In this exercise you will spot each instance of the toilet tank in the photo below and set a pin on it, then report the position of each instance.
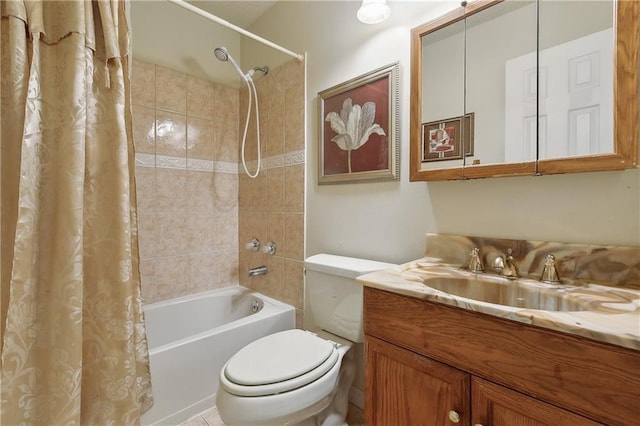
(334, 299)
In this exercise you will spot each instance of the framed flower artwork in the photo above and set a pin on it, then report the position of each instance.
(359, 134)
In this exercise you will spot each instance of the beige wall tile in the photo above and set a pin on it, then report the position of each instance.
(199, 233)
(258, 188)
(171, 134)
(200, 98)
(226, 270)
(293, 245)
(171, 234)
(143, 84)
(225, 192)
(275, 230)
(300, 318)
(244, 193)
(294, 76)
(226, 104)
(147, 280)
(243, 267)
(171, 275)
(251, 141)
(294, 188)
(200, 136)
(274, 280)
(146, 189)
(225, 232)
(293, 289)
(171, 190)
(274, 201)
(200, 190)
(144, 129)
(251, 225)
(164, 278)
(171, 90)
(276, 144)
(202, 267)
(226, 146)
(194, 225)
(294, 128)
(147, 235)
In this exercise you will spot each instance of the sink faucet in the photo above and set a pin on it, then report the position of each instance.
(506, 265)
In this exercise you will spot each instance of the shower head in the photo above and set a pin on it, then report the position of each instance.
(223, 54)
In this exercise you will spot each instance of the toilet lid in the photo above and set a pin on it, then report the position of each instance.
(278, 363)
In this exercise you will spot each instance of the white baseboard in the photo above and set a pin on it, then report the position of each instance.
(356, 397)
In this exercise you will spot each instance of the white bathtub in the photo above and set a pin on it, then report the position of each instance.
(190, 339)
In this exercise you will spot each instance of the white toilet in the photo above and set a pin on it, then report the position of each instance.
(297, 376)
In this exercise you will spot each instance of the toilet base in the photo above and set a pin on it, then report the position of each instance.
(329, 410)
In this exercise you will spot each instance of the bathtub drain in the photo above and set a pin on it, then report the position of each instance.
(255, 306)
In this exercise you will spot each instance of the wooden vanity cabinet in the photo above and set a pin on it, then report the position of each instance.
(431, 364)
(404, 388)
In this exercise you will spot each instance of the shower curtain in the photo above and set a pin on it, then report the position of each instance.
(73, 348)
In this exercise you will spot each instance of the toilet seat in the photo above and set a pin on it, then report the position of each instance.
(278, 363)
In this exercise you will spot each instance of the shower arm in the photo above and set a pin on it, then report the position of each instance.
(183, 4)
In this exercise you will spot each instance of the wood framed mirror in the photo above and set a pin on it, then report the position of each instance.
(503, 88)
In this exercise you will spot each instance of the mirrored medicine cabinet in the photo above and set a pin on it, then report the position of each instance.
(525, 87)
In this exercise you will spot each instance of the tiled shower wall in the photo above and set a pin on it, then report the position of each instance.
(185, 133)
(196, 207)
(271, 207)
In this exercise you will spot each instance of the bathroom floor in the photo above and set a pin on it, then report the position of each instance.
(355, 417)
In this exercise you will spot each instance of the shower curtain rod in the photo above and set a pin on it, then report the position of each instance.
(228, 24)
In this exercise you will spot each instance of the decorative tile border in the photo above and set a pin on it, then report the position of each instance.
(145, 160)
(182, 163)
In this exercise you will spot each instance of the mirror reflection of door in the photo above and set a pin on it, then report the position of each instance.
(574, 86)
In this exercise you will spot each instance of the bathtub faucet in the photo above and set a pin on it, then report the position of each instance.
(258, 270)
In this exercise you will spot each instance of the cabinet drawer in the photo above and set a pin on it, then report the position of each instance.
(596, 380)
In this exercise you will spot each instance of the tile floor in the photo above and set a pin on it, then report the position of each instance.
(355, 417)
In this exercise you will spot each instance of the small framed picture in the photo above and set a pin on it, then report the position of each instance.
(442, 140)
(359, 132)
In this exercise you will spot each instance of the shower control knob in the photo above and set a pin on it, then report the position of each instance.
(253, 245)
(269, 248)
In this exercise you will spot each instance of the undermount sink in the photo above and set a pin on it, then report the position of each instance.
(509, 293)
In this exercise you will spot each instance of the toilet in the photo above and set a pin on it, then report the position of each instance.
(300, 377)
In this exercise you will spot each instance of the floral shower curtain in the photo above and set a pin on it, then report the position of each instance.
(73, 347)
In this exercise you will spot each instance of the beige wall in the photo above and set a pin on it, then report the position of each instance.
(271, 207)
(185, 134)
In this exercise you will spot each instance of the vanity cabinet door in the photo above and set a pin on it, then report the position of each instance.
(499, 406)
(404, 388)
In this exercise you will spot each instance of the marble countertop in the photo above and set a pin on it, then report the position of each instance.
(613, 314)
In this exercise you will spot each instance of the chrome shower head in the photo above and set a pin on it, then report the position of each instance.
(223, 54)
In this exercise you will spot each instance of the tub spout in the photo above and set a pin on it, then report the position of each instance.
(258, 270)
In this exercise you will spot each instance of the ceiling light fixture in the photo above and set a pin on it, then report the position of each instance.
(373, 11)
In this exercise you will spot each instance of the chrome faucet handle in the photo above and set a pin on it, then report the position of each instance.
(253, 245)
(550, 272)
(269, 248)
(510, 269)
(475, 264)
